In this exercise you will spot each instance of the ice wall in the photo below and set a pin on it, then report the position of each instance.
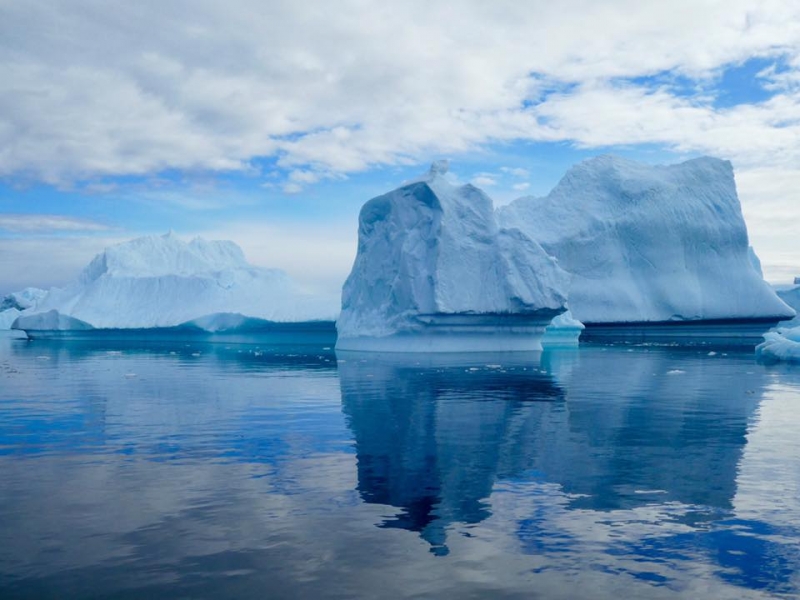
(650, 243)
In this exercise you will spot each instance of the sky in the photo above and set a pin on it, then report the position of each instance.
(271, 123)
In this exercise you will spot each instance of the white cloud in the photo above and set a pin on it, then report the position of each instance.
(90, 90)
(770, 200)
(516, 172)
(300, 176)
(318, 255)
(484, 180)
(292, 188)
(29, 223)
(520, 187)
(748, 134)
(46, 261)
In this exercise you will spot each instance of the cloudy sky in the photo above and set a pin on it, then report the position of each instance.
(270, 123)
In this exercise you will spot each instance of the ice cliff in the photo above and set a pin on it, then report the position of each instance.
(792, 297)
(161, 281)
(650, 243)
(434, 271)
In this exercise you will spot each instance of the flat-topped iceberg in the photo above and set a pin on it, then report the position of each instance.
(435, 272)
(161, 281)
(650, 244)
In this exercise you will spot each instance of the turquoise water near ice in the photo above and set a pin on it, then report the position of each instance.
(158, 469)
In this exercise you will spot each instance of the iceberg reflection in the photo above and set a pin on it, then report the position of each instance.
(433, 438)
(433, 433)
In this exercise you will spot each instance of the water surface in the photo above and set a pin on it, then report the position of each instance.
(190, 470)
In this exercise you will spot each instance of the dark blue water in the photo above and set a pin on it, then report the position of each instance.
(182, 470)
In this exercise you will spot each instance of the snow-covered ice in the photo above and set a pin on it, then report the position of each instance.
(161, 281)
(435, 272)
(650, 243)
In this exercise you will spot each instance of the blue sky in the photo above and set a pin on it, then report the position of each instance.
(272, 124)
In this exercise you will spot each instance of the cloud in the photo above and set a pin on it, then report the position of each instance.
(292, 188)
(770, 197)
(484, 180)
(46, 260)
(300, 176)
(516, 172)
(91, 93)
(87, 90)
(632, 114)
(520, 187)
(28, 223)
(321, 262)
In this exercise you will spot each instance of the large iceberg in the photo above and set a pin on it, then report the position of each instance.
(651, 244)
(435, 272)
(161, 281)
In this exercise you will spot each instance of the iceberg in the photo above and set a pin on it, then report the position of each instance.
(651, 245)
(161, 281)
(51, 320)
(563, 331)
(780, 345)
(23, 300)
(8, 316)
(435, 272)
(14, 304)
(791, 296)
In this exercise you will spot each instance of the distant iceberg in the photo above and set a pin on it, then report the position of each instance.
(435, 272)
(651, 244)
(161, 281)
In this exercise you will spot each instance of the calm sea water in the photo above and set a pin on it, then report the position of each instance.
(182, 470)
